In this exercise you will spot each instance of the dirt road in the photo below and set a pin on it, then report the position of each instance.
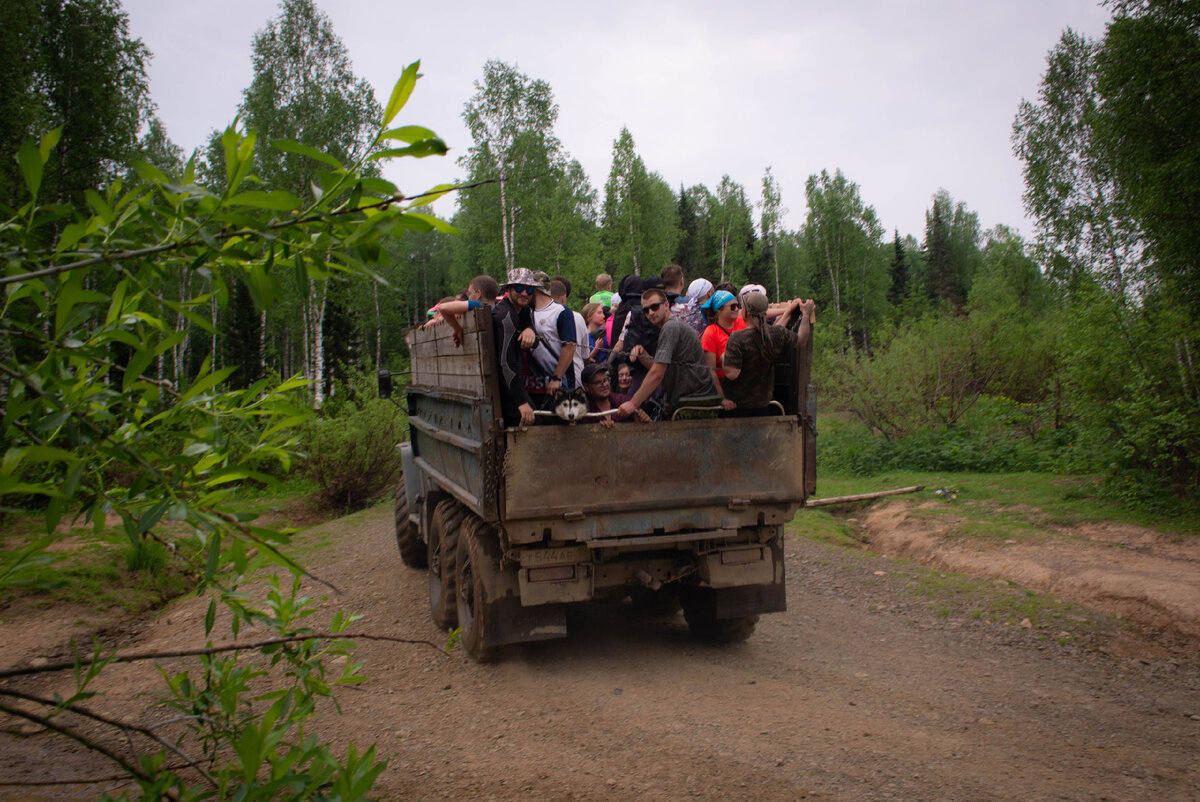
(861, 691)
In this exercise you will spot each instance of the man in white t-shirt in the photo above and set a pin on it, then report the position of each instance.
(553, 357)
(560, 288)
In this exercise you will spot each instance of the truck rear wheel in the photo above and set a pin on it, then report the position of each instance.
(412, 550)
(473, 560)
(443, 544)
(700, 610)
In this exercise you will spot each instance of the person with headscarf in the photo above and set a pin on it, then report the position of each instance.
(750, 355)
(725, 310)
(699, 291)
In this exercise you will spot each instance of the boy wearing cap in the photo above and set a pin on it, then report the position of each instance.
(554, 355)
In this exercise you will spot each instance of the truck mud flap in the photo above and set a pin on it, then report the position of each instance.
(512, 623)
(411, 477)
(749, 600)
(507, 621)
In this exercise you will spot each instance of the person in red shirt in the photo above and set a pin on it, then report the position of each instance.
(726, 321)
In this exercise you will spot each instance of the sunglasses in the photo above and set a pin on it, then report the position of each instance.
(651, 307)
(598, 382)
(523, 288)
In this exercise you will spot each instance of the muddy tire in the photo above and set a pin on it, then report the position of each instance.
(412, 550)
(473, 560)
(440, 553)
(700, 611)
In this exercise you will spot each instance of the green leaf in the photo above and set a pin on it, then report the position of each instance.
(148, 172)
(206, 382)
(292, 146)
(152, 516)
(210, 617)
(214, 557)
(440, 191)
(277, 200)
(378, 186)
(409, 134)
(138, 363)
(401, 92)
(31, 166)
(49, 142)
(419, 150)
(434, 222)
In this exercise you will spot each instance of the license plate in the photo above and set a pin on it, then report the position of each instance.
(536, 558)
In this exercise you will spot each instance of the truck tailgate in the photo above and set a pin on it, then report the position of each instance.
(643, 477)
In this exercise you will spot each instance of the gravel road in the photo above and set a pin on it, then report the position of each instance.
(862, 690)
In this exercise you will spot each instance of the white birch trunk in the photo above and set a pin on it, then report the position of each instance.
(317, 324)
(504, 225)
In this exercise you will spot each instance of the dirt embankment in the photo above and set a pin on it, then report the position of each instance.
(860, 691)
(1129, 571)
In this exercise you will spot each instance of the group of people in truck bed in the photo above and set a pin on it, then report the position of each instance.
(637, 354)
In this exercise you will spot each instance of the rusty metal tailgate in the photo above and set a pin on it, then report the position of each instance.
(642, 477)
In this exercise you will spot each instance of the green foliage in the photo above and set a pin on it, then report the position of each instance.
(351, 450)
(539, 211)
(929, 374)
(843, 240)
(999, 436)
(1084, 230)
(951, 249)
(1148, 83)
(1111, 179)
(145, 554)
(93, 431)
(252, 744)
(1135, 399)
(640, 226)
(71, 64)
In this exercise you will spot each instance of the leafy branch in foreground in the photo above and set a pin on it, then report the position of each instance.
(93, 432)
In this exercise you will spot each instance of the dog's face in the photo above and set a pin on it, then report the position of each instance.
(570, 405)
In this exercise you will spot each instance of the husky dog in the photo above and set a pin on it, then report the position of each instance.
(570, 405)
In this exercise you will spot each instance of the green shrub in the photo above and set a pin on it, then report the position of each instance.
(998, 435)
(146, 554)
(352, 455)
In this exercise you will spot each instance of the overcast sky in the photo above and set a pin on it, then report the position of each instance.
(904, 96)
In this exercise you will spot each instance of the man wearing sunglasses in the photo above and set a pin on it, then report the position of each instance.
(677, 363)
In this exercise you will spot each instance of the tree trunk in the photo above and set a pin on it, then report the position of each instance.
(262, 343)
(504, 225)
(378, 327)
(316, 315)
(775, 258)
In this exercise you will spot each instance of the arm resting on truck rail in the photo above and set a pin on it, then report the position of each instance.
(654, 377)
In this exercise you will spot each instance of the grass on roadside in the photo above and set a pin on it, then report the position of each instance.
(1011, 504)
(104, 571)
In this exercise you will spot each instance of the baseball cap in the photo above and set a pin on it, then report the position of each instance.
(751, 288)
